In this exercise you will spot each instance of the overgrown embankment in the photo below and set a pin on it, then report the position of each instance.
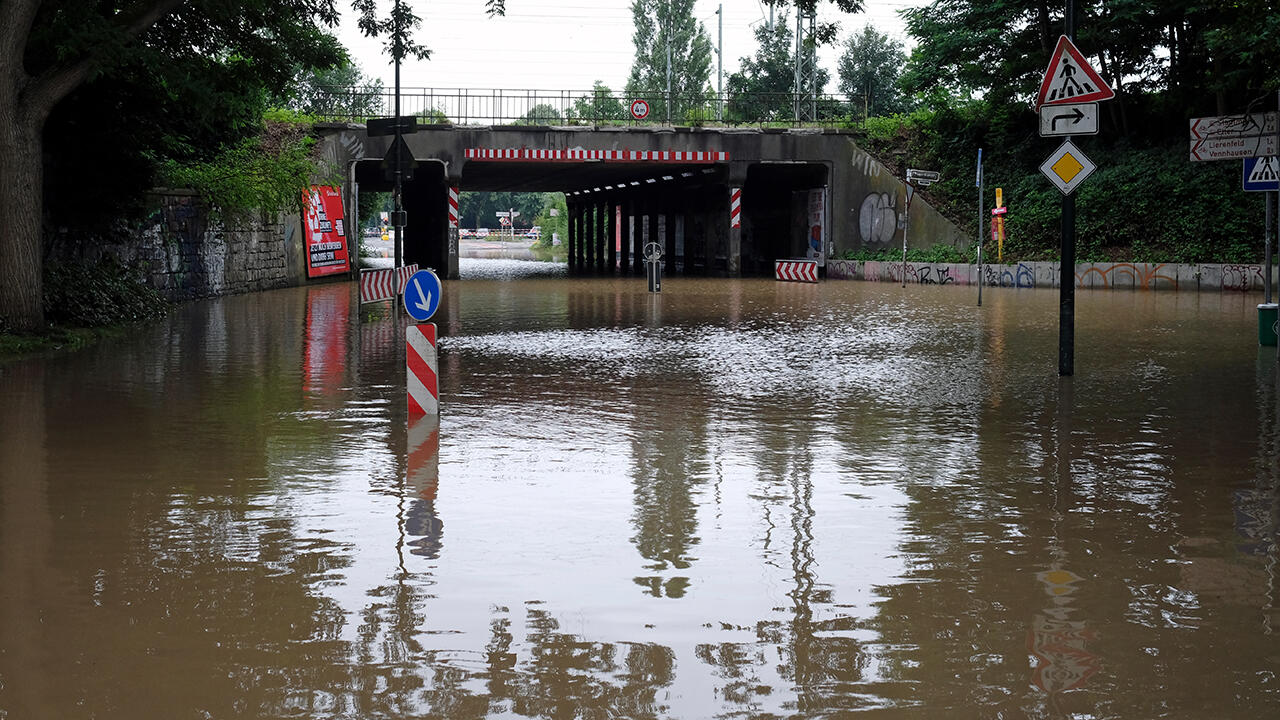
(1147, 202)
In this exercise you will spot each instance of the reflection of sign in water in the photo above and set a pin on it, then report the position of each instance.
(325, 353)
(1059, 644)
(326, 234)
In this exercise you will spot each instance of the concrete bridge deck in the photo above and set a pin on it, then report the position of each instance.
(676, 186)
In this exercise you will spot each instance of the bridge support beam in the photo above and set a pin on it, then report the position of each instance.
(635, 233)
(611, 233)
(571, 237)
(602, 253)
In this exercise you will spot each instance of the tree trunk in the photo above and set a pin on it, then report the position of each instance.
(21, 209)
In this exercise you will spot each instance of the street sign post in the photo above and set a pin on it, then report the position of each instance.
(1230, 137)
(1233, 148)
(1067, 167)
(1073, 119)
(422, 295)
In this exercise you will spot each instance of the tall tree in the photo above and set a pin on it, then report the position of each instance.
(869, 70)
(342, 91)
(763, 88)
(663, 24)
(50, 48)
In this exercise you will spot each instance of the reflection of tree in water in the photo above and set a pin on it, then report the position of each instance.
(671, 459)
(812, 649)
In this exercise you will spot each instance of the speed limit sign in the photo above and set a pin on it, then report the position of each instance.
(639, 109)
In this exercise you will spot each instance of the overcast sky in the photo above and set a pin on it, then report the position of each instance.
(569, 44)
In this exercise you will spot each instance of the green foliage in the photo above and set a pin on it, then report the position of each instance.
(342, 91)
(434, 116)
(601, 106)
(656, 22)
(98, 295)
(869, 70)
(935, 254)
(557, 224)
(267, 172)
(541, 114)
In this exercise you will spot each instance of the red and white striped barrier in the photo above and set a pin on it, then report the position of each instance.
(525, 154)
(385, 284)
(420, 362)
(735, 208)
(453, 208)
(796, 270)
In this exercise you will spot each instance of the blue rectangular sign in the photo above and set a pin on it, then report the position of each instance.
(1262, 174)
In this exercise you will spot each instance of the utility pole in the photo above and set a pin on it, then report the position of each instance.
(666, 30)
(720, 66)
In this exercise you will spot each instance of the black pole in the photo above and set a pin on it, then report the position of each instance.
(396, 50)
(1067, 273)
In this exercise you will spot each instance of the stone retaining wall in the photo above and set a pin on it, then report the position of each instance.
(1113, 276)
(185, 255)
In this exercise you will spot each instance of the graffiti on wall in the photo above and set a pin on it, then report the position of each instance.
(1021, 276)
(878, 219)
(1140, 275)
(1241, 277)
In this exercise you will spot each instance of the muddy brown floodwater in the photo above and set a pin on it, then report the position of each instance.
(741, 499)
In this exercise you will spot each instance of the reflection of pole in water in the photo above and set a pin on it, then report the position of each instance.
(423, 478)
(1059, 644)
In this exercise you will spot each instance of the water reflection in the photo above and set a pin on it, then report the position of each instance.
(739, 498)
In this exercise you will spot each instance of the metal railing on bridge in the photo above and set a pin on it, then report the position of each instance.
(583, 107)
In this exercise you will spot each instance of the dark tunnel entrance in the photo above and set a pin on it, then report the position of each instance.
(616, 208)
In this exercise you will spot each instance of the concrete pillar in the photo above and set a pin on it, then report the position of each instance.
(584, 228)
(603, 246)
(652, 208)
(451, 212)
(572, 236)
(716, 227)
(611, 233)
(735, 230)
(426, 237)
(624, 228)
(670, 210)
(636, 220)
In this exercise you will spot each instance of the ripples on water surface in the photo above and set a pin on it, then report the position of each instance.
(735, 499)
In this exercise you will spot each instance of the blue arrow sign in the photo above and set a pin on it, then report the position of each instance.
(422, 295)
(1262, 174)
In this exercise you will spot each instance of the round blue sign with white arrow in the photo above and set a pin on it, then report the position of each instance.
(422, 295)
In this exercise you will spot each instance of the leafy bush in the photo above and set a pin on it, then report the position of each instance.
(267, 172)
(97, 295)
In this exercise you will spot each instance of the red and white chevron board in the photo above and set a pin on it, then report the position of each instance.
(735, 208)
(796, 270)
(421, 370)
(385, 284)
(453, 208)
(659, 156)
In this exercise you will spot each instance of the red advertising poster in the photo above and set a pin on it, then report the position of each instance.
(326, 232)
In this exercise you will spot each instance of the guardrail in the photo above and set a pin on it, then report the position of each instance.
(585, 107)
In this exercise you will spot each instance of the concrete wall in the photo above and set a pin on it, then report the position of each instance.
(1100, 276)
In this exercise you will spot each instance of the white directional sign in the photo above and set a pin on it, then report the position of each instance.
(1262, 174)
(1233, 148)
(1233, 126)
(1070, 79)
(422, 295)
(1074, 119)
(1067, 167)
(923, 177)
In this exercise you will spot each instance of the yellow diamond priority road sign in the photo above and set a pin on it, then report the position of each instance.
(1067, 167)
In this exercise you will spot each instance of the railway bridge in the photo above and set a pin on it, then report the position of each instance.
(720, 201)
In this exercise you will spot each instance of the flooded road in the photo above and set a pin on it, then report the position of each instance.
(742, 499)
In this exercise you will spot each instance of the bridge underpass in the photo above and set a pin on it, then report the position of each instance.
(628, 187)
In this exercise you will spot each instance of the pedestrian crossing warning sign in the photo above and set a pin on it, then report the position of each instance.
(1262, 174)
(1070, 79)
